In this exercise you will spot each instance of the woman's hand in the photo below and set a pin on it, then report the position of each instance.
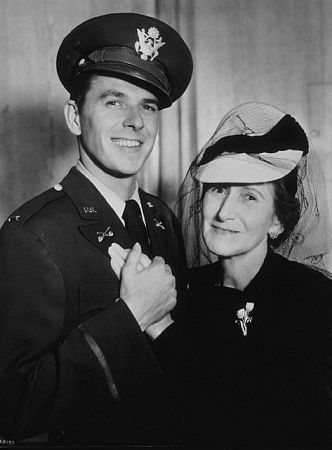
(157, 328)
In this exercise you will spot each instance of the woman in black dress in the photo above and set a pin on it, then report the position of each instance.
(261, 324)
(253, 365)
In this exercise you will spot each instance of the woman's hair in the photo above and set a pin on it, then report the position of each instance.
(287, 206)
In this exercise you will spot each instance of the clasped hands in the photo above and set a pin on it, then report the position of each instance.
(147, 287)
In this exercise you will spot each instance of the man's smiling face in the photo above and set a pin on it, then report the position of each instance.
(118, 125)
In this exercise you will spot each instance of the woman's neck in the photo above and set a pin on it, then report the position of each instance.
(239, 270)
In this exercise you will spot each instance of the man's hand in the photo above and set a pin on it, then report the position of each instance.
(119, 256)
(149, 292)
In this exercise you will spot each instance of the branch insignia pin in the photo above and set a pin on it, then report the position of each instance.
(101, 235)
(159, 224)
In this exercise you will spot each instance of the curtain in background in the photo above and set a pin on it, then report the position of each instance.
(275, 51)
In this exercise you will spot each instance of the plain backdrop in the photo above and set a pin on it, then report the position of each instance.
(274, 51)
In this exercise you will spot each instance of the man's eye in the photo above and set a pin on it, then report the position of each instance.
(113, 103)
(152, 108)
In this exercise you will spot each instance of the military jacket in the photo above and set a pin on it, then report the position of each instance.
(74, 361)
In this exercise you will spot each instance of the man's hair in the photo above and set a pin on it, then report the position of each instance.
(80, 87)
(286, 205)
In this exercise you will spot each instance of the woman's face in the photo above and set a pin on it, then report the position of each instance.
(238, 218)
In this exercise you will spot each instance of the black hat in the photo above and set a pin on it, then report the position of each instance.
(140, 49)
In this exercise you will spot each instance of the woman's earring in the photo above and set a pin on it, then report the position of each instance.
(273, 234)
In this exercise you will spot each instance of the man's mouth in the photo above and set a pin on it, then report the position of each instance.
(126, 142)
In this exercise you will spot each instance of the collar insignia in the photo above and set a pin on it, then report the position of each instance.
(150, 205)
(102, 234)
(159, 224)
(89, 209)
(149, 43)
(13, 218)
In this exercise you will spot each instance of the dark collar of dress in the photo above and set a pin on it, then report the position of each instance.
(261, 288)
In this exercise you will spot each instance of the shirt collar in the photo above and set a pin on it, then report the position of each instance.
(117, 204)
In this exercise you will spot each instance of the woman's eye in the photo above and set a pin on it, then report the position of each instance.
(151, 108)
(250, 197)
(217, 190)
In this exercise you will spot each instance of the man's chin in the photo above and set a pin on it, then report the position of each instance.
(114, 172)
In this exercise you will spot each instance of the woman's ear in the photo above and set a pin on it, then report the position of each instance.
(276, 228)
(72, 117)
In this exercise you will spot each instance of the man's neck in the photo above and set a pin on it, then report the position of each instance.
(123, 187)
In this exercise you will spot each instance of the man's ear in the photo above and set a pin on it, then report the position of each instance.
(72, 117)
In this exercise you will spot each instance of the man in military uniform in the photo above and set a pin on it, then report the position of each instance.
(76, 360)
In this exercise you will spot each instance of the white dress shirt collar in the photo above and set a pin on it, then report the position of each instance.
(110, 196)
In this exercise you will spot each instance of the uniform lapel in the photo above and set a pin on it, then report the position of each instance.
(100, 224)
(156, 226)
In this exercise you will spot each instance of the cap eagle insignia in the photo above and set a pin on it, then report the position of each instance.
(149, 43)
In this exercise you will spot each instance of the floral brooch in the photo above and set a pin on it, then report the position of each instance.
(244, 318)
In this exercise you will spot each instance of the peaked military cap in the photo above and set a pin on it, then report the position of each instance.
(137, 48)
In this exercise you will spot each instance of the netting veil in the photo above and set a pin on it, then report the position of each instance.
(310, 239)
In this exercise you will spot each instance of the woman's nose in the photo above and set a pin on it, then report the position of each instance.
(227, 208)
(133, 119)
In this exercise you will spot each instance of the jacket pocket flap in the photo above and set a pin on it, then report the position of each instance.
(98, 294)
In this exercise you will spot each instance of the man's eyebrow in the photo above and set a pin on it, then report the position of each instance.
(122, 95)
(153, 101)
(113, 93)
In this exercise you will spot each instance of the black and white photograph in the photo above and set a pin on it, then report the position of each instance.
(166, 224)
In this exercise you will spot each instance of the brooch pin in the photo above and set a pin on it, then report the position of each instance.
(149, 43)
(102, 234)
(159, 224)
(244, 317)
(150, 205)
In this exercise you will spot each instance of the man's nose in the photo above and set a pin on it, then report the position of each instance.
(133, 118)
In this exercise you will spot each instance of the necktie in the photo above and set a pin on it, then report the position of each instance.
(135, 225)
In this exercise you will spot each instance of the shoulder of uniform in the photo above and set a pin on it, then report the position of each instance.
(28, 209)
(155, 200)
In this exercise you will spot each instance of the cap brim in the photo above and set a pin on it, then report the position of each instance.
(133, 75)
(243, 168)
